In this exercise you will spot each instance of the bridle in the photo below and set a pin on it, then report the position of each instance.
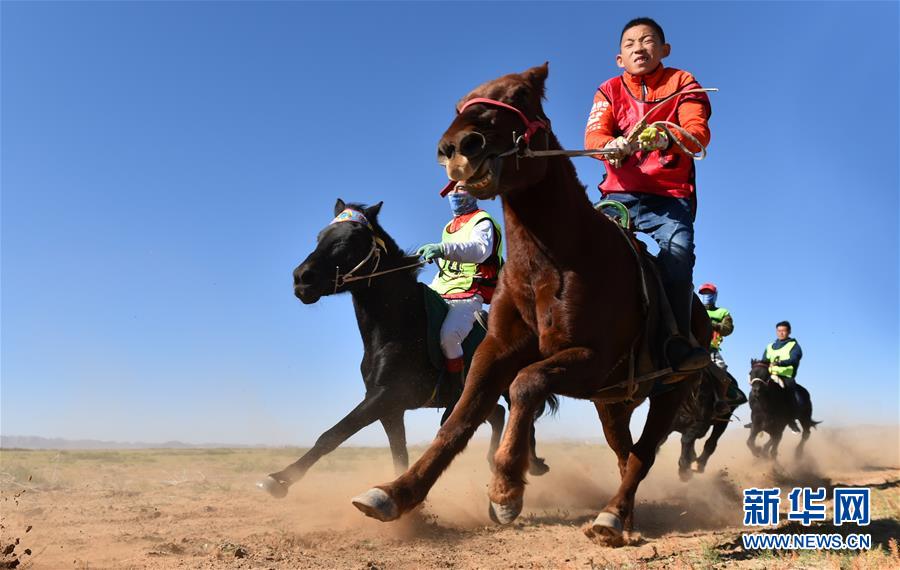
(522, 143)
(378, 246)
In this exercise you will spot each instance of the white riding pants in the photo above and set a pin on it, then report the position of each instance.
(458, 324)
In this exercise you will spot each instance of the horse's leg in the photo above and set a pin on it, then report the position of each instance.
(807, 423)
(609, 523)
(536, 465)
(710, 446)
(497, 419)
(373, 407)
(751, 439)
(567, 372)
(616, 421)
(798, 453)
(396, 434)
(774, 442)
(688, 455)
(493, 369)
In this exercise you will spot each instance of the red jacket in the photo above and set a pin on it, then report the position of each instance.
(620, 103)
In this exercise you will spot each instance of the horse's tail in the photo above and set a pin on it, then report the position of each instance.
(551, 406)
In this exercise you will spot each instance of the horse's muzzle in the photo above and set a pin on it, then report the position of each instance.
(306, 285)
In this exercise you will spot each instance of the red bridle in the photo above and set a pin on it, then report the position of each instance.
(531, 127)
(520, 143)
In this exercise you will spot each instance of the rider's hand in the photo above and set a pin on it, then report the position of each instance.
(430, 251)
(622, 149)
(652, 138)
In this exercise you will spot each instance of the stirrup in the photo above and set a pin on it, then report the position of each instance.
(623, 218)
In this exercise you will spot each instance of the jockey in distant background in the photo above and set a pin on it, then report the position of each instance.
(723, 326)
(784, 356)
(469, 260)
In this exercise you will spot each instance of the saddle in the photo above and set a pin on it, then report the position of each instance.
(649, 372)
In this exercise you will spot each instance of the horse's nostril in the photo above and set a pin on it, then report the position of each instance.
(472, 144)
(307, 277)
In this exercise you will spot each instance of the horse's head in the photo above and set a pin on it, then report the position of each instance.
(349, 244)
(494, 122)
(759, 372)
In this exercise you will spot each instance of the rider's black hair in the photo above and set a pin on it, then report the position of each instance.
(784, 324)
(644, 22)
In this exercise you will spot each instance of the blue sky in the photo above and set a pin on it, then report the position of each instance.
(165, 166)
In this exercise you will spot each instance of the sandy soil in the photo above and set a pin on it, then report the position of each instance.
(199, 509)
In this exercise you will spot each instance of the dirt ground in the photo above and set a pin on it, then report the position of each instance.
(199, 509)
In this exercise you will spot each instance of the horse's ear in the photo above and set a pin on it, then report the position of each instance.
(372, 211)
(536, 76)
(339, 206)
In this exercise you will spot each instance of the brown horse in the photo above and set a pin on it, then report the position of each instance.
(564, 319)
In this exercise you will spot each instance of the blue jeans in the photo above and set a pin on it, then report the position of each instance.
(670, 222)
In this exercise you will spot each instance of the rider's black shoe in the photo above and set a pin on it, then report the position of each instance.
(684, 357)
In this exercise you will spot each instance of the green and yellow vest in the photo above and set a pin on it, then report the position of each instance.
(717, 316)
(457, 280)
(782, 353)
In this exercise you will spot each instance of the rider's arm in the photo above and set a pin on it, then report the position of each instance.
(693, 116)
(726, 327)
(475, 251)
(601, 125)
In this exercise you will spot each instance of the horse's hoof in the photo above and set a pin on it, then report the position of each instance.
(273, 487)
(505, 514)
(538, 468)
(377, 504)
(607, 525)
(685, 474)
(701, 467)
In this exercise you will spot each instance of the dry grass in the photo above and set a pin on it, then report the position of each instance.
(199, 509)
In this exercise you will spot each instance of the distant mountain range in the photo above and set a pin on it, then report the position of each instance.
(33, 442)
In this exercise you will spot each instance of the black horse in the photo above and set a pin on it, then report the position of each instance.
(695, 417)
(391, 314)
(771, 410)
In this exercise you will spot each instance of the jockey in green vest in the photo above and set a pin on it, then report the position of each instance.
(469, 258)
(784, 356)
(723, 326)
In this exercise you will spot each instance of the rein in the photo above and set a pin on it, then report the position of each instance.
(521, 144)
(349, 277)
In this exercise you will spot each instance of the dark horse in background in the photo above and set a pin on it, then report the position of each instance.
(390, 311)
(565, 317)
(694, 419)
(771, 410)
